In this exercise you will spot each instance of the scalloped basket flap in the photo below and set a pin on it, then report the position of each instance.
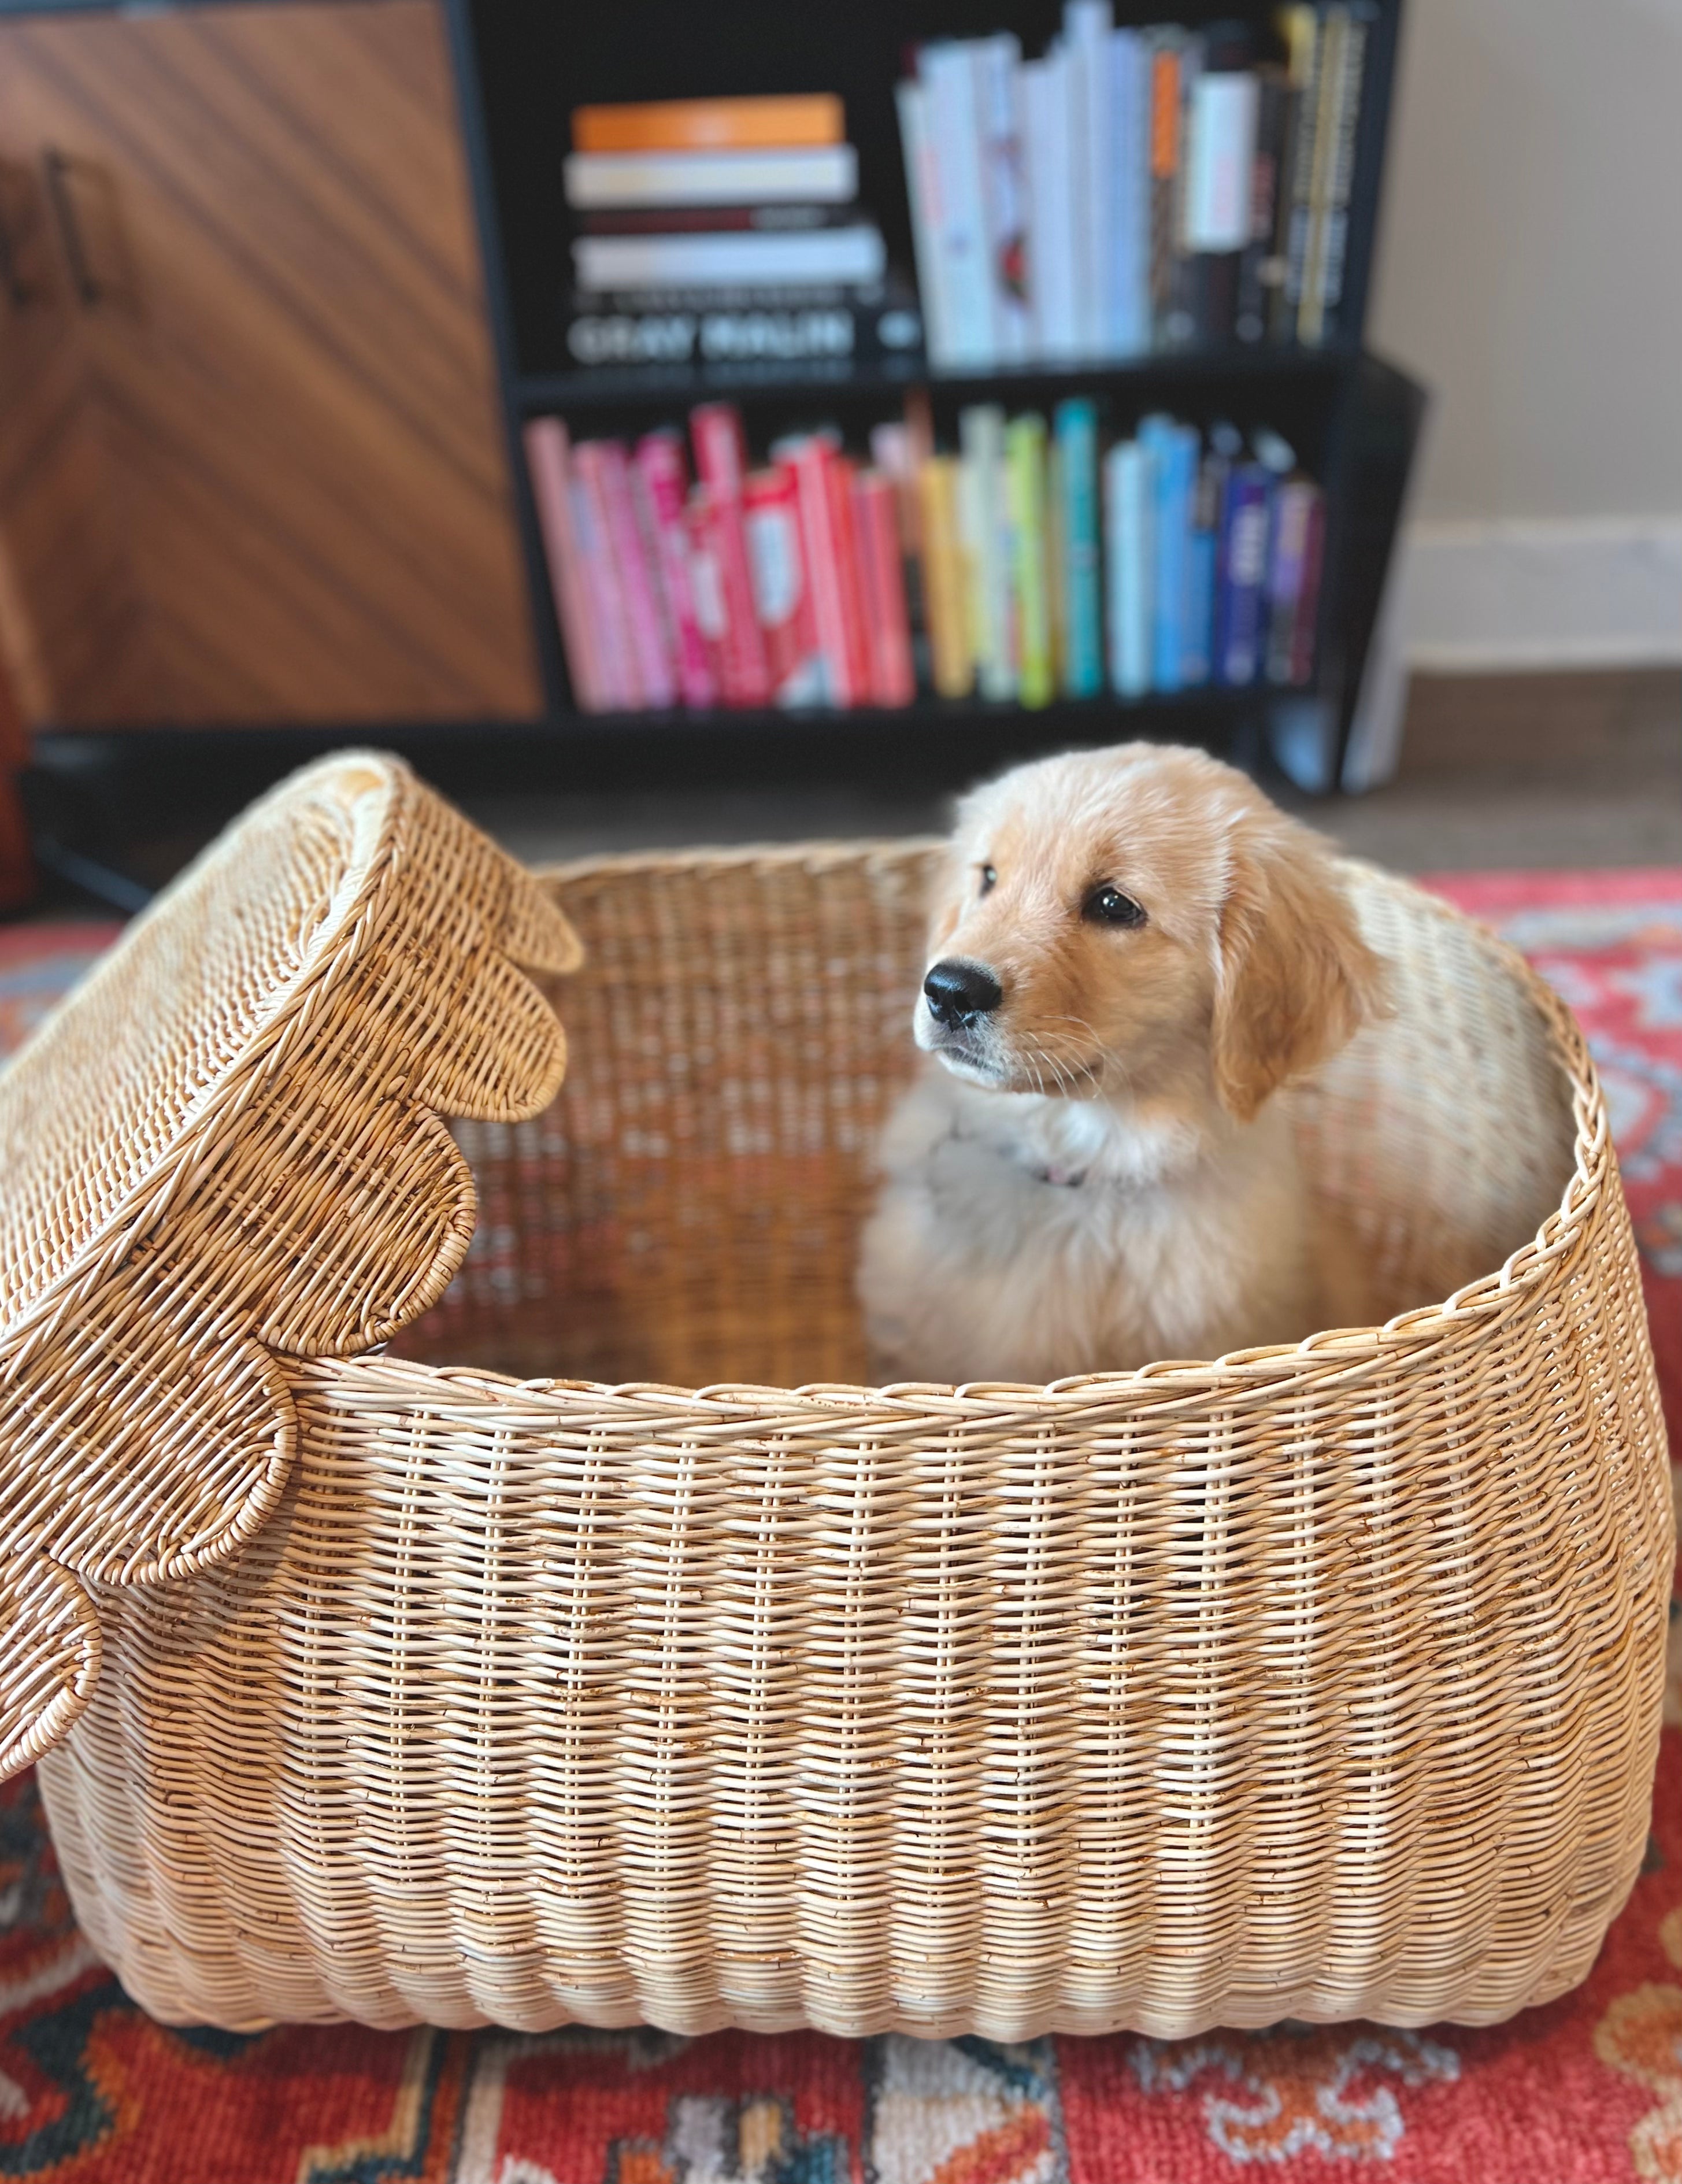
(228, 1142)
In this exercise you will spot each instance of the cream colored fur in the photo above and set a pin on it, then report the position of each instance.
(1096, 1173)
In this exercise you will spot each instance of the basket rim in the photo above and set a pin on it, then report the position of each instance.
(1328, 1360)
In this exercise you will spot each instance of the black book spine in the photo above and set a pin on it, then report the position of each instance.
(1343, 164)
(1296, 178)
(1259, 267)
(829, 328)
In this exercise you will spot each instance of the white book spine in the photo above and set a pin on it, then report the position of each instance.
(1220, 159)
(1129, 290)
(997, 63)
(949, 70)
(1087, 26)
(821, 174)
(1045, 115)
(923, 188)
(981, 434)
(1127, 514)
(849, 256)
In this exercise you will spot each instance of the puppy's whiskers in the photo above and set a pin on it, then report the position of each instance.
(1067, 1071)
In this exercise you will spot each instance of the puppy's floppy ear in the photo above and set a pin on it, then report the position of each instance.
(1294, 980)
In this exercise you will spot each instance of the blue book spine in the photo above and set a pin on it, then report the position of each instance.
(1077, 431)
(1127, 514)
(1204, 575)
(1173, 451)
(1128, 299)
(1244, 567)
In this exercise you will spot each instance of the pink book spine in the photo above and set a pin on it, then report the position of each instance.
(706, 585)
(662, 482)
(549, 459)
(656, 672)
(721, 446)
(616, 667)
(876, 516)
(1308, 598)
(720, 457)
(809, 462)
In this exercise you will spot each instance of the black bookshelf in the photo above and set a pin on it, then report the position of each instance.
(524, 64)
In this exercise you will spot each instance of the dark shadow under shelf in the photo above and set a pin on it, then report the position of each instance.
(615, 388)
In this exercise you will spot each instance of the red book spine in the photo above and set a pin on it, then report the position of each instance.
(842, 470)
(781, 593)
(893, 680)
(616, 667)
(1308, 598)
(661, 482)
(720, 459)
(549, 453)
(706, 581)
(824, 479)
(656, 670)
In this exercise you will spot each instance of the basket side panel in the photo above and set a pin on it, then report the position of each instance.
(688, 1209)
(539, 1705)
(1442, 1137)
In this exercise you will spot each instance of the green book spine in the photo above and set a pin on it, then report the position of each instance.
(1024, 487)
(1075, 522)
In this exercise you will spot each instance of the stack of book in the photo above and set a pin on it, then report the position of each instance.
(724, 231)
(782, 585)
(1030, 562)
(1134, 189)
(1173, 560)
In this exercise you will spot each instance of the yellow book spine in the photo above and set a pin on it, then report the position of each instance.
(942, 577)
(1025, 492)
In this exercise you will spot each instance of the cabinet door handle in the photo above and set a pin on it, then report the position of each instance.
(19, 292)
(56, 165)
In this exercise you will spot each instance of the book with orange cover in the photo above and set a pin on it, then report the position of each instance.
(706, 124)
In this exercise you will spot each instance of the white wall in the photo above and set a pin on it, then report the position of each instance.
(1531, 271)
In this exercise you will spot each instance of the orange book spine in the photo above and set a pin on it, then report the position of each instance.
(943, 584)
(710, 124)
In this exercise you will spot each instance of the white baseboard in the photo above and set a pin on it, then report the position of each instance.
(1601, 593)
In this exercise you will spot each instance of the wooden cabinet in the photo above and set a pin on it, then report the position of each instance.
(252, 462)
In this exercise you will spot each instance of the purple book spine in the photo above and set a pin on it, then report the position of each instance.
(1244, 564)
(1285, 558)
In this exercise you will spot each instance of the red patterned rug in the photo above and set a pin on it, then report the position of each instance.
(1587, 2090)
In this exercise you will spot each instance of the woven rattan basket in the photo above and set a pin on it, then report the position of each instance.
(1313, 1683)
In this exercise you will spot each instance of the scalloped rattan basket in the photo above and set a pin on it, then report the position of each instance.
(1311, 1683)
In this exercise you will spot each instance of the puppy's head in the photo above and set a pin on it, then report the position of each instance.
(1138, 922)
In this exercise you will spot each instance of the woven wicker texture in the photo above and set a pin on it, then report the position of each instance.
(226, 1148)
(1314, 1683)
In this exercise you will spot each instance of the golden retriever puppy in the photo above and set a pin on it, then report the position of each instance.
(1132, 951)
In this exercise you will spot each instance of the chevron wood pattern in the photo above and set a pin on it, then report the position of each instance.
(252, 463)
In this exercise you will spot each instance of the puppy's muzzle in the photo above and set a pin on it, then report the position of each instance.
(957, 993)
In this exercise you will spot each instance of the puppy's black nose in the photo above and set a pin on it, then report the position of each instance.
(957, 991)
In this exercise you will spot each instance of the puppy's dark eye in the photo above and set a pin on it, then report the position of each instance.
(988, 878)
(1108, 905)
